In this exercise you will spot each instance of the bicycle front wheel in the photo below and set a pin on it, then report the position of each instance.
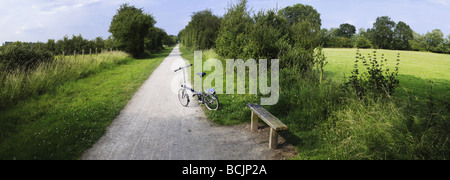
(183, 97)
(211, 102)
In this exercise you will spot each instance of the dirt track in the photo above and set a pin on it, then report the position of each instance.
(154, 126)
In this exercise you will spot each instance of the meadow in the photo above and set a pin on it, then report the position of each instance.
(60, 109)
(327, 121)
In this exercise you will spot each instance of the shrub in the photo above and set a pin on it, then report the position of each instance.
(23, 56)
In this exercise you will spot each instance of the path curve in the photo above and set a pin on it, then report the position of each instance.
(154, 126)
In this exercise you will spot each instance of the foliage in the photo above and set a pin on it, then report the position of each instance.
(78, 44)
(378, 81)
(345, 30)
(303, 36)
(24, 56)
(129, 27)
(154, 39)
(265, 36)
(299, 13)
(382, 33)
(201, 32)
(234, 31)
(403, 34)
(363, 42)
(433, 41)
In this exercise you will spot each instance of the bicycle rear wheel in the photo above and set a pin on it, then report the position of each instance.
(211, 102)
(183, 97)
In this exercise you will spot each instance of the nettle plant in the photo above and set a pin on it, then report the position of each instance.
(379, 80)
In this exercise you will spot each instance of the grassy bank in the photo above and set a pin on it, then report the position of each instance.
(63, 121)
(328, 122)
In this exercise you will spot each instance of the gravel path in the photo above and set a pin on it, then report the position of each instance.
(154, 125)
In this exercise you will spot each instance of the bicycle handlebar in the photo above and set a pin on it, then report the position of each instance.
(183, 67)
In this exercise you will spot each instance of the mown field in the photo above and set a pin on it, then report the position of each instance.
(66, 107)
(327, 121)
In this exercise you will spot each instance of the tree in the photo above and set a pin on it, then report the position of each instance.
(266, 34)
(382, 33)
(403, 34)
(233, 33)
(433, 39)
(154, 39)
(346, 30)
(303, 37)
(129, 27)
(299, 13)
(201, 32)
(363, 42)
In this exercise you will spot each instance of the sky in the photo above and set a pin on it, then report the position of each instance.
(40, 20)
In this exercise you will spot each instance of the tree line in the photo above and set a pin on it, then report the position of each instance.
(385, 34)
(265, 33)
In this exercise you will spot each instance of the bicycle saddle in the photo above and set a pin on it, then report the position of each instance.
(201, 74)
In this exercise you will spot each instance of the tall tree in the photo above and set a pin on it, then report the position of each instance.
(346, 30)
(382, 33)
(129, 27)
(201, 32)
(233, 33)
(403, 34)
(299, 12)
(434, 38)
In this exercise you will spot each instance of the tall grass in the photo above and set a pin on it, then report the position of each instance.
(19, 83)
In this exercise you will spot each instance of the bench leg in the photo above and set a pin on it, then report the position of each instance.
(273, 141)
(254, 122)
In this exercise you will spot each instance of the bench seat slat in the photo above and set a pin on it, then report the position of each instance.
(271, 120)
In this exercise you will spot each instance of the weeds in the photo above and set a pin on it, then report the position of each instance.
(378, 80)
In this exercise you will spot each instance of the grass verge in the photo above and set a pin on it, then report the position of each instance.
(62, 123)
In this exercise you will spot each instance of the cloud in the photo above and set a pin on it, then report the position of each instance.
(440, 2)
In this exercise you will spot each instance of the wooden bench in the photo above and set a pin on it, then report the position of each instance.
(274, 123)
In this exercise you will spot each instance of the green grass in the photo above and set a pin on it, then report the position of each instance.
(65, 121)
(415, 70)
(326, 121)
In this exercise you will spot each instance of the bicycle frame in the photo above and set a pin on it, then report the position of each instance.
(209, 98)
(209, 91)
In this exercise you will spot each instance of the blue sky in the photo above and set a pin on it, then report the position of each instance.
(39, 20)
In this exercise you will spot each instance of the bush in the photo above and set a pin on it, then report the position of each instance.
(23, 56)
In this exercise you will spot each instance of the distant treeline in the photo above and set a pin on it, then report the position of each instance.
(266, 31)
(385, 34)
